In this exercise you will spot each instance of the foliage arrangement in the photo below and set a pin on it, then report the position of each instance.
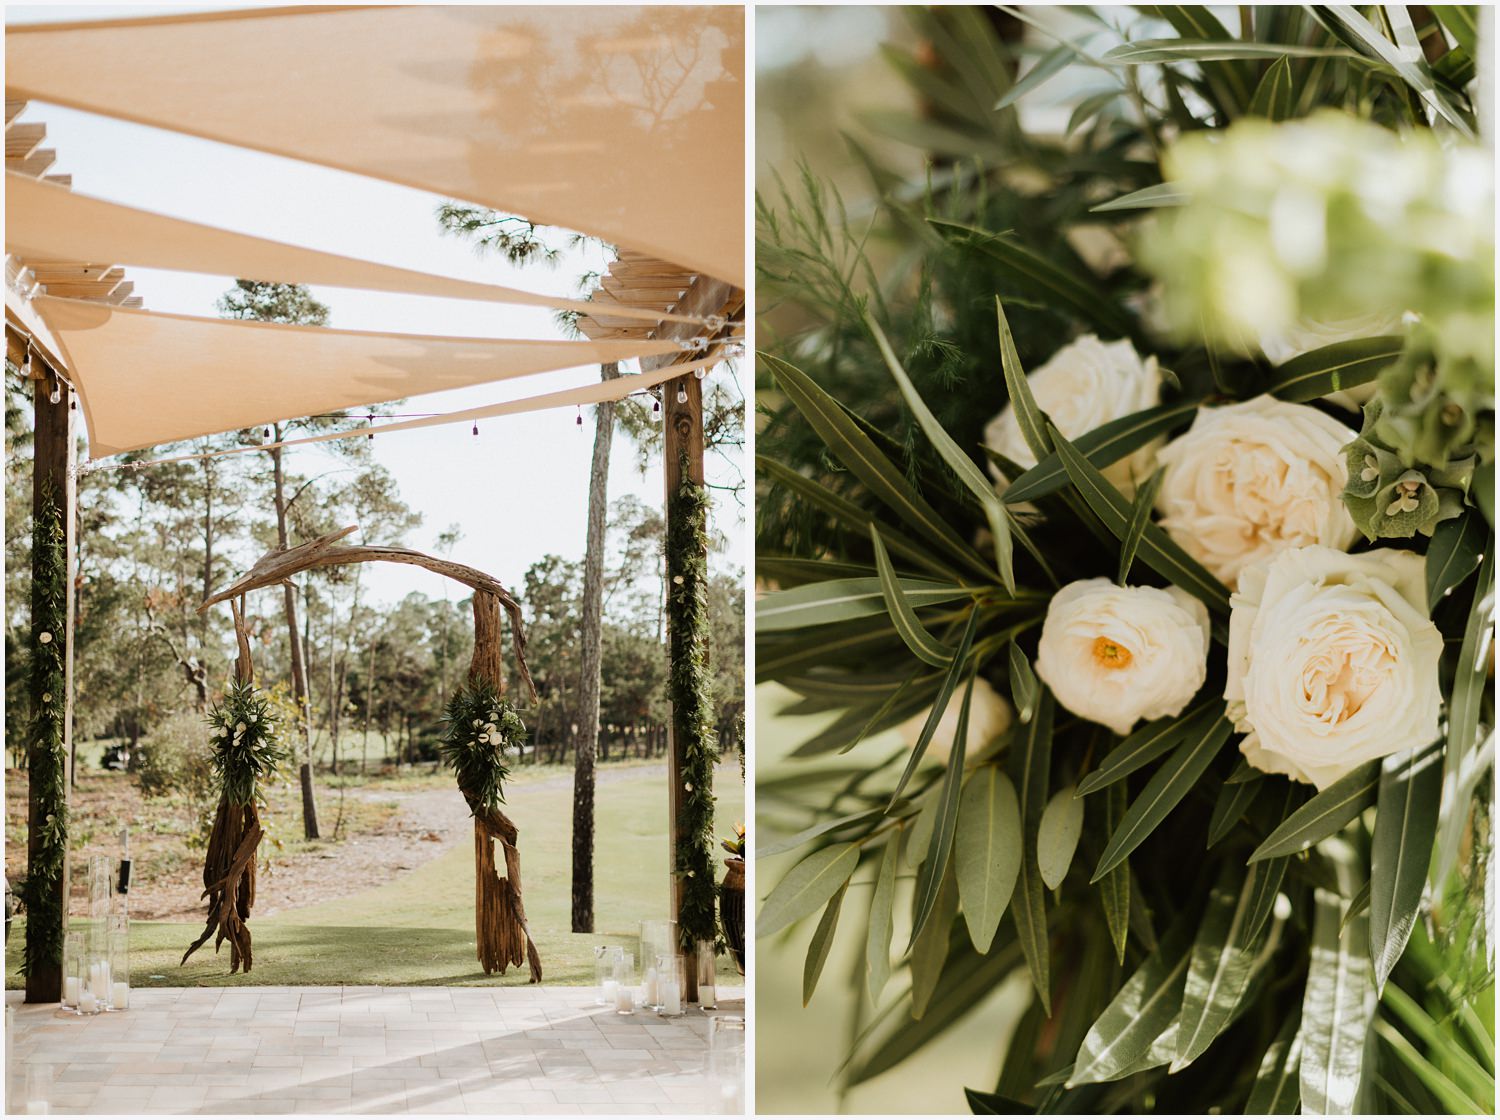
(735, 845)
(246, 743)
(1213, 913)
(482, 728)
(40, 892)
(690, 691)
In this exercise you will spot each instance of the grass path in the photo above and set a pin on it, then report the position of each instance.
(419, 927)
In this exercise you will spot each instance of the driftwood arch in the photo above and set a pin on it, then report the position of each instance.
(501, 932)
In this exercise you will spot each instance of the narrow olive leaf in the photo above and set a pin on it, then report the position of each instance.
(1023, 685)
(1169, 785)
(1273, 97)
(841, 600)
(1323, 814)
(1157, 550)
(1453, 1099)
(776, 847)
(993, 1104)
(1029, 416)
(1031, 762)
(1406, 816)
(1338, 1005)
(1140, 517)
(939, 705)
(1460, 22)
(929, 953)
(1090, 107)
(1276, 1091)
(1146, 744)
(921, 828)
(1242, 772)
(1229, 809)
(822, 941)
(917, 637)
(1472, 1078)
(877, 720)
(1159, 194)
(1328, 369)
(1106, 444)
(1265, 878)
(987, 852)
(1057, 836)
(1144, 1008)
(1472, 671)
(940, 846)
(1048, 65)
(1456, 550)
(852, 447)
(1359, 904)
(1219, 967)
(1184, 50)
(967, 471)
(1114, 888)
(807, 886)
(878, 937)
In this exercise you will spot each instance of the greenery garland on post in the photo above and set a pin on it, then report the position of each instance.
(40, 891)
(690, 691)
(247, 749)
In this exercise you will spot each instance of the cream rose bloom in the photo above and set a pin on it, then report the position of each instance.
(1333, 661)
(1251, 479)
(1085, 384)
(990, 717)
(1312, 334)
(1117, 655)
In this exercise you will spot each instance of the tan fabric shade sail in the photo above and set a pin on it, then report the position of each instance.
(146, 378)
(47, 222)
(625, 123)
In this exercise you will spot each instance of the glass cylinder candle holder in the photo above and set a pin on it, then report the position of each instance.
(671, 984)
(726, 1064)
(605, 957)
(706, 961)
(75, 967)
(101, 887)
(119, 962)
(625, 985)
(36, 1082)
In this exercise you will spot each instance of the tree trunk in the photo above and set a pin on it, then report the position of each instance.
(299, 667)
(586, 739)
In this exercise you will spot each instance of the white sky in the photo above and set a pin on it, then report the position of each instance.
(520, 489)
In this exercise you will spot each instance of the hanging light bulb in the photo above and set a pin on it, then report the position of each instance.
(681, 395)
(476, 429)
(656, 408)
(56, 395)
(265, 435)
(370, 421)
(701, 372)
(580, 416)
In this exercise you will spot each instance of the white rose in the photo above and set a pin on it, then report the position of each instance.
(1251, 479)
(990, 717)
(1333, 661)
(1085, 384)
(1117, 655)
(1312, 334)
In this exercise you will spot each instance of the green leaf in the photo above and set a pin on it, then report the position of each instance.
(1265, 878)
(993, 1104)
(1091, 107)
(1359, 904)
(1048, 65)
(1459, 20)
(1144, 1008)
(1145, 744)
(807, 886)
(1219, 967)
(1454, 1099)
(1114, 888)
(1338, 1004)
(940, 847)
(1234, 798)
(974, 479)
(916, 636)
(822, 941)
(1023, 685)
(930, 951)
(1277, 1091)
(852, 447)
(1030, 419)
(939, 705)
(840, 600)
(1411, 785)
(1159, 194)
(1140, 517)
(878, 937)
(1472, 671)
(878, 719)
(1186, 50)
(1323, 814)
(987, 852)
(1328, 369)
(1468, 1075)
(778, 846)
(1058, 835)
(1160, 552)
(1273, 96)
(1456, 550)
(1104, 446)
(1169, 785)
(1031, 762)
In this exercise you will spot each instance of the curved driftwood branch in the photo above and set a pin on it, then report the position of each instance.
(279, 565)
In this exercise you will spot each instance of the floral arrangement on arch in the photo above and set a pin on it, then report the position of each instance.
(1127, 495)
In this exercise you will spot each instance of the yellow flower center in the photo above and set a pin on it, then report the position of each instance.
(1110, 654)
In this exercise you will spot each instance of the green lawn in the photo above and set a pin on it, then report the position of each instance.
(419, 928)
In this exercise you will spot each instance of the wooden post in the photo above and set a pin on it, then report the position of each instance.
(52, 481)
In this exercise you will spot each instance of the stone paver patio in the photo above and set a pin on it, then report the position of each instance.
(511, 1050)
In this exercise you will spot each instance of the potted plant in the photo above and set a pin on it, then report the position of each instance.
(732, 897)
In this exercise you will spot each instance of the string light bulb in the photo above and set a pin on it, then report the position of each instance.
(701, 372)
(265, 435)
(476, 429)
(681, 395)
(580, 416)
(655, 408)
(370, 422)
(56, 395)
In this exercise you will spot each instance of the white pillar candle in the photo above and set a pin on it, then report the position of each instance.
(624, 998)
(70, 991)
(671, 997)
(649, 990)
(86, 1002)
(119, 995)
